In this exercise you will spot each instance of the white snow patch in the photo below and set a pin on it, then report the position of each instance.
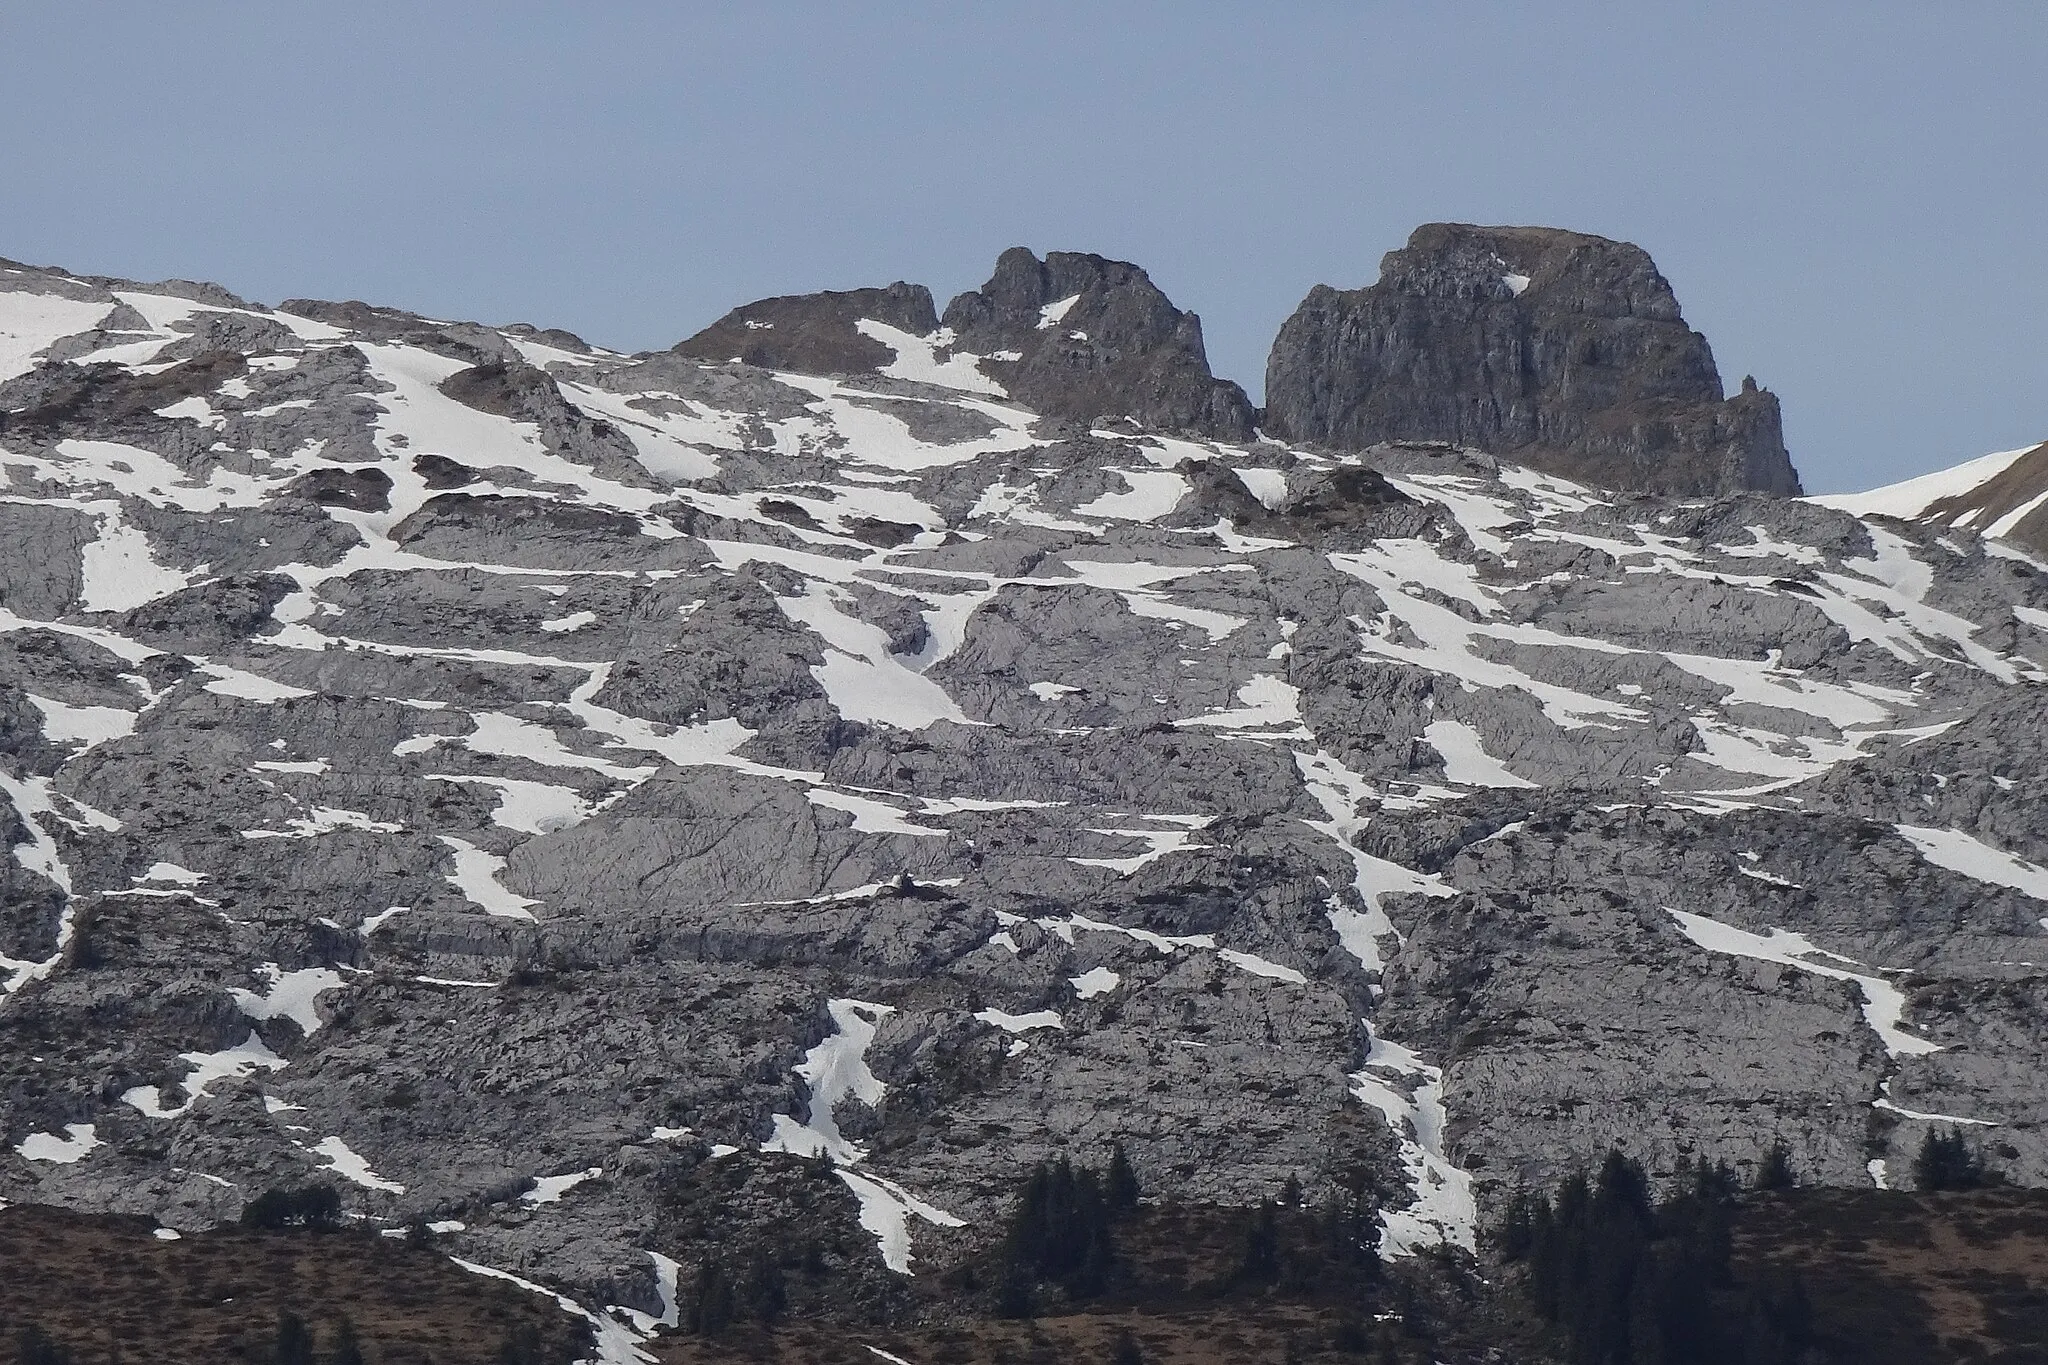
(575, 620)
(870, 816)
(885, 1210)
(917, 360)
(83, 725)
(836, 1069)
(29, 322)
(549, 1189)
(1911, 497)
(234, 682)
(1259, 966)
(62, 1151)
(1466, 761)
(1020, 1023)
(617, 1344)
(372, 923)
(1339, 791)
(476, 877)
(238, 1063)
(1409, 1093)
(289, 995)
(1160, 842)
(344, 1162)
(118, 571)
(1269, 486)
(1055, 312)
(527, 806)
(170, 872)
(1150, 495)
(1265, 702)
(1883, 1003)
(325, 820)
(1958, 852)
(1095, 981)
(864, 681)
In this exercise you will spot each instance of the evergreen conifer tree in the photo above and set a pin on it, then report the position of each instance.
(294, 1341)
(347, 1350)
(1946, 1162)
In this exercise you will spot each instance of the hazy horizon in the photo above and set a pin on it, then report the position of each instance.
(1846, 198)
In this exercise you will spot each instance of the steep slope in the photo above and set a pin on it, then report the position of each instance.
(2003, 495)
(1557, 349)
(597, 802)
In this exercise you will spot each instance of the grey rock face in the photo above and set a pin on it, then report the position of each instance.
(815, 333)
(1556, 349)
(1078, 336)
(441, 759)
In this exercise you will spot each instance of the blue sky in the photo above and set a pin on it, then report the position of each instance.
(1851, 199)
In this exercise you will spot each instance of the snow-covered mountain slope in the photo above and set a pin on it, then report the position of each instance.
(510, 778)
(2003, 495)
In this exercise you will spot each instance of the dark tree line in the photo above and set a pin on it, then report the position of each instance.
(754, 1290)
(1946, 1161)
(1632, 1280)
(1061, 1231)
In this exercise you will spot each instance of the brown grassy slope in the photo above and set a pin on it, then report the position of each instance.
(107, 1289)
(1906, 1279)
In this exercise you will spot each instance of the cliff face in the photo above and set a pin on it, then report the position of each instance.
(1557, 349)
(619, 809)
(1079, 336)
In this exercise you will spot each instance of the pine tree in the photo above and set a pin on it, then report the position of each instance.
(294, 1344)
(521, 1346)
(346, 1350)
(1946, 1162)
(34, 1347)
(762, 1291)
(1259, 1260)
(711, 1311)
(1121, 1185)
(1775, 1172)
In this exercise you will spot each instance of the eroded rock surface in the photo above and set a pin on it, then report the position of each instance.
(556, 793)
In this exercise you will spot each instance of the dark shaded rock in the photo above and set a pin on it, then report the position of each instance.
(1553, 348)
(885, 535)
(440, 473)
(379, 324)
(60, 400)
(360, 490)
(814, 333)
(205, 616)
(1117, 348)
(495, 513)
(550, 336)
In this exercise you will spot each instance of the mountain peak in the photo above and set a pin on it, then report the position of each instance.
(1557, 349)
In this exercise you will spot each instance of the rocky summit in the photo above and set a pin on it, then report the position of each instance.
(602, 809)
(1558, 350)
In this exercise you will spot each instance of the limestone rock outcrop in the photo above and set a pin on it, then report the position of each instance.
(1551, 348)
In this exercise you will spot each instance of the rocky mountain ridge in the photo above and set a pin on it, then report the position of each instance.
(530, 784)
(1555, 349)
